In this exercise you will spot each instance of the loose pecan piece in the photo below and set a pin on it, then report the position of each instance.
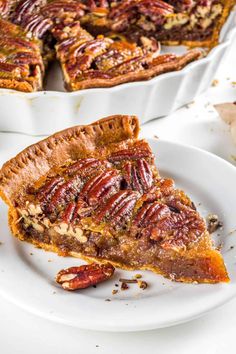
(130, 154)
(82, 277)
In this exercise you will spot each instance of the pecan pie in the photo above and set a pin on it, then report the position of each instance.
(112, 51)
(21, 64)
(94, 192)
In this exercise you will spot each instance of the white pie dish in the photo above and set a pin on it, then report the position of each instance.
(42, 113)
(27, 273)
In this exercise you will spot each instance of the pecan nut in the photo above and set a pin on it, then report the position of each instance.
(118, 209)
(26, 8)
(87, 166)
(100, 186)
(138, 177)
(130, 154)
(65, 192)
(37, 25)
(45, 193)
(82, 277)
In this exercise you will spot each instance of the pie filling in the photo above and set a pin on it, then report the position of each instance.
(119, 209)
(126, 23)
(194, 21)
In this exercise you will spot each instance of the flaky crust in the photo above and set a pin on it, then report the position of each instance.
(147, 74)
(36, 160)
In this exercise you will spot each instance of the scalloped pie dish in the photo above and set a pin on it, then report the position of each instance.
(102, 43)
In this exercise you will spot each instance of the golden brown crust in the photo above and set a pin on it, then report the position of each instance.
(147, 74)
(36, 160)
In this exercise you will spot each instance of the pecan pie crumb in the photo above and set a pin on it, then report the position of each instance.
(124, 286)
(138, 276)
(114, 291)
(142, 284)
(213, 223)
(128, 281)
(215, 83)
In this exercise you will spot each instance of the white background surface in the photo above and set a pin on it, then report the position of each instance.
(23, 333)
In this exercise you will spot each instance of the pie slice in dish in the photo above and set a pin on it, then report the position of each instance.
(108, 61)
(94, 192)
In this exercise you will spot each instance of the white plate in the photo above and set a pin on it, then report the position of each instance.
(27, 279)
(48, 111)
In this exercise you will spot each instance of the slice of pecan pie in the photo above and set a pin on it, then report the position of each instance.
(94, 192)
(21, 65)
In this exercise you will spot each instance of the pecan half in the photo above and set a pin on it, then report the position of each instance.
(66, 10)
(13, 71)
(100, 186)
(4, 8)
(45, 193)
(26, 8)
(65, 192)
(130, 154)
(37, 25)
(82, 56)
(86, 166)
(12, 43)
(182, 228)
(70, 213)
(82, 277)
(138, 177)
(118, 209)
(151, 213)
(27, 58)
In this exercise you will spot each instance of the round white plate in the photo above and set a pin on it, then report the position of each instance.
(27, 274)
